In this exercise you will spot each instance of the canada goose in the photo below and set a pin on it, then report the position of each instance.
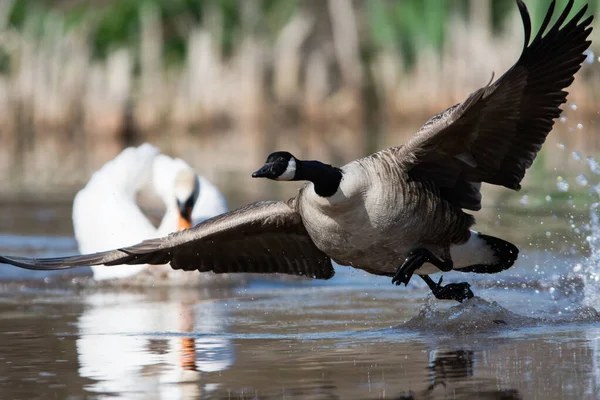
(106, 215)
(400, 210)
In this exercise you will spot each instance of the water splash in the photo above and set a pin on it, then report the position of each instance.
(561, 184)
(590, 273)
(589, 56)
(593, 165)
(589, 269)
(474, 315)
(581, 180)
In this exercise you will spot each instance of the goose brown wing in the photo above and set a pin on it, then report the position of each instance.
(263, 237)
(495, 135)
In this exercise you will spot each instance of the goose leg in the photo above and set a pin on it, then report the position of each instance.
(453, 291)
(415, 260)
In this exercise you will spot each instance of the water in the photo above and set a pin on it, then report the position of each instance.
(356, 337)
(531, 332)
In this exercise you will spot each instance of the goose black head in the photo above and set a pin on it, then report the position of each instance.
(283, 166)
(280, 166)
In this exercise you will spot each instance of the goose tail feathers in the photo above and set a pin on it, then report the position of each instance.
(484, 254)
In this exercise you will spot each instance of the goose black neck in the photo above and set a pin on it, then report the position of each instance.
(325, 177)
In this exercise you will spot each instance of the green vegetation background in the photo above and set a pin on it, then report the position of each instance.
(407, 25)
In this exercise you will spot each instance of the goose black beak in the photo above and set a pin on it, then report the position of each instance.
(263, 172)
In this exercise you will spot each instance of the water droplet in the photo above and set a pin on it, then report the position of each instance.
(593, 165)
(582, 180)
(576, 156)
(548, 197)
(552, 290)
(524, 200)
(548, 234)
(589, 56)
(563, 119)
(579, 126)
(573, 106)
(562, 186)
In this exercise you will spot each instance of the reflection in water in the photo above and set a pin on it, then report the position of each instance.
(355, 336)
(133, 344)
(452, 372)
(449, 365)
(298, 342)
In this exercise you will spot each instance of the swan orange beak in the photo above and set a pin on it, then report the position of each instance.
(185, 218)
(183, 223)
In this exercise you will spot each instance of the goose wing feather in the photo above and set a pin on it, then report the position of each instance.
(262, 237)
(495, 135)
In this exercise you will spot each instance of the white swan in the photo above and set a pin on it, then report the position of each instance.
(106, 215)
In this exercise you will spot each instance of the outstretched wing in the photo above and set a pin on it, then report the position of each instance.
(263, 237)
(495, 135)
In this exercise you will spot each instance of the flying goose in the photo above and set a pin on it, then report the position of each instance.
(106, 215)
(397, 212)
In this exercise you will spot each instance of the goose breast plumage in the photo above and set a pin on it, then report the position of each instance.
(356, 226)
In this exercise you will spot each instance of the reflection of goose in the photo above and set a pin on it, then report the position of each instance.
(452, 370)
(399, 211)
(105, 212)
(448, 366)
(122, 346)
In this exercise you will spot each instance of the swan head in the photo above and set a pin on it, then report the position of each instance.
(280, 166)
(186, 190)
(178, 186)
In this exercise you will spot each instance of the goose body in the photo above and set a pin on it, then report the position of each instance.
(356, 226)
(400, 211)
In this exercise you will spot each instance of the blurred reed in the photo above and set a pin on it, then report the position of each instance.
(325, 70)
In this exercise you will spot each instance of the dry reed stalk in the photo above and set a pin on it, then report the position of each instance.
(252, 66)
(346, 104)
(152, 92)
(107, 91)
(54, 88)
(316, 87)
(345, 41)
(288, 58)
(198, 94)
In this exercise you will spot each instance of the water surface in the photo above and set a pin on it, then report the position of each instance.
(531, 332)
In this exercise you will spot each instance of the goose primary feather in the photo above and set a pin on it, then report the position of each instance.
(399, 211)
